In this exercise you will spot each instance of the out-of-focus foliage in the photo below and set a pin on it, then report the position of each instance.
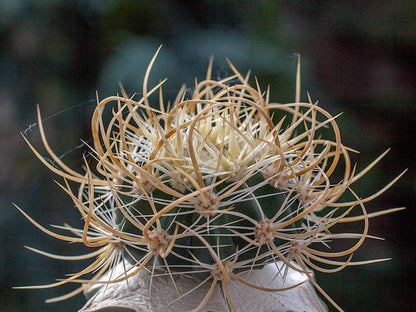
(358, 58)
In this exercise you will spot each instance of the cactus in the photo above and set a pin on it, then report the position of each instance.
(223, 182)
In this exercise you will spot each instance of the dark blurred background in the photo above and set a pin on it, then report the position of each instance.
(358, 57)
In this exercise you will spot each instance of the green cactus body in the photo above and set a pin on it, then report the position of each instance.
(262, 203)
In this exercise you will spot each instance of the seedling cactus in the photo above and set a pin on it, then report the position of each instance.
(216, 186)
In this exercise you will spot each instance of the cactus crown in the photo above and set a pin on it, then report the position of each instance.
(222, 182)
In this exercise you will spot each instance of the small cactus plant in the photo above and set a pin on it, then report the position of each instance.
(216, 186)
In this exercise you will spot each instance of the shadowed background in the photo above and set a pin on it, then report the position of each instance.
(357, 57)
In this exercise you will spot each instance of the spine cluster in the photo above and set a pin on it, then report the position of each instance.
(219, 182)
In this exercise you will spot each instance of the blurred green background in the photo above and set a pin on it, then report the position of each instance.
(358, 57)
